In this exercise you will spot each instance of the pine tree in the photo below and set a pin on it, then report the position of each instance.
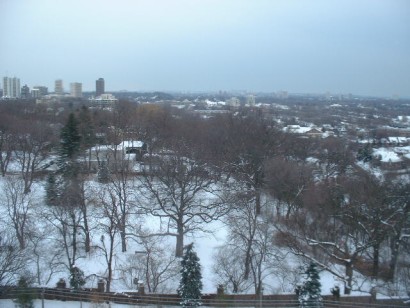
(365, 154)
(24, 295)
(190, 285)
(309, 294)
(77, 279)
(70, 141)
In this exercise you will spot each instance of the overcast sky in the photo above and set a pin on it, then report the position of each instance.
(315, 46)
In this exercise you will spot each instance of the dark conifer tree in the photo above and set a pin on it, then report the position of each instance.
(190, 285)
(70, 141)
(77, 280)
(310, 292)
(24, 296)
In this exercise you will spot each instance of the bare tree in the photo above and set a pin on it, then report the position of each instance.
(33, 142)
(12, 260)
(343, 223)
(251, 236)
(229, 268)
(66, 221)
(6, 143)
(108, 223)
(19, 206)
(180, 193)
(45, 259)
(251, 141)
(154, 263)
(122, 195)
(286, 180)
(335, 158)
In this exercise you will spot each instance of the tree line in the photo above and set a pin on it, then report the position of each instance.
(276, 192)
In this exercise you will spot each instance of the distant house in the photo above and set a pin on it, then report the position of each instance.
(303, 130)
(128, 152)
(314, 133)
(398, 140)
(297, 129)
(151, 163)
(139, 148)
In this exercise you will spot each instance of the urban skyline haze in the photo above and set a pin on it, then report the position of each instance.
(350, 46)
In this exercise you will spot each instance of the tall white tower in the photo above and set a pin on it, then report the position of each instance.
(76, 89)
(11, 87)
(58, 87)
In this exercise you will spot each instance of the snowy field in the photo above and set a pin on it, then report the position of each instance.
(94, 265)
(205, 244)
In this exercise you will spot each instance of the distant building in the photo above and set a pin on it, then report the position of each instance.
(234, 102)
(76, 89)
(35, 93)
(104, 100)
(99, 87)
(43, 91)
(250, 100)
(282, 94)
(25, 92)
(11, 87)
(58, 87)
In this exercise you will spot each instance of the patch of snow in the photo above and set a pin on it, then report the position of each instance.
(387, 155)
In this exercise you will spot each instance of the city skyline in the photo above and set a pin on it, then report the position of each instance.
(359, 47)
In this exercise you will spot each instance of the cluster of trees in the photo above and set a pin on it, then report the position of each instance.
(275, 192)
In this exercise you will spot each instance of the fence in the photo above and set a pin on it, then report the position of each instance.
(210, 300)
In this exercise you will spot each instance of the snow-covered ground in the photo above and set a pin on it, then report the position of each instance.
(94, 264)
(392, 154)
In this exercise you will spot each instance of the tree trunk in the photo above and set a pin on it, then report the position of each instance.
(258, 202)
(375, 268)
(86, 230)
(179, 249)
(247, 261)
(110, 257)
(349, 277)
(123, 235)
(74, 241)
(394, 247)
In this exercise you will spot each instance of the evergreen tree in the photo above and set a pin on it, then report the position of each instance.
(86, 128)
(190, 285)
(24, 295)
(87, 133)
(77, 279)
(309, 293)
(365, 154)
(70, 141)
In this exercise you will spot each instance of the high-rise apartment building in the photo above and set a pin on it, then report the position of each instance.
(76, 89)
(25, 92)
(99, 87)
(58, 87)
(11, 87)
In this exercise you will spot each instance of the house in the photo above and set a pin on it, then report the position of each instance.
(127, 152)
(139, 148)
(398, 140)
(314, 133)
